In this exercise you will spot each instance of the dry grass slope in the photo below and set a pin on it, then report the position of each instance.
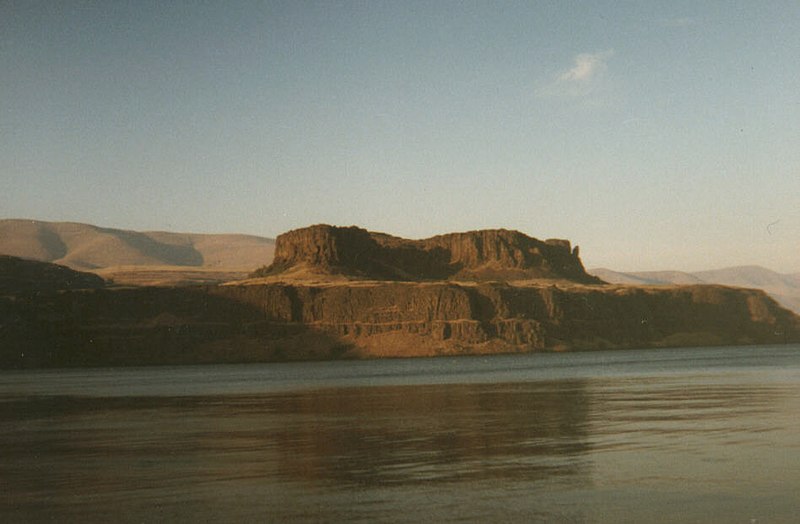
(132, 257)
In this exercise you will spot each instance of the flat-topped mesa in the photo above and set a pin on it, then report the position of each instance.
(495, 254)
(501, 254)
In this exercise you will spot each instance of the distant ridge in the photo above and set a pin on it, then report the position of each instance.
(784, 288)
(87, 247)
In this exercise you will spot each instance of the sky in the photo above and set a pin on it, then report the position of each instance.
(655, 135)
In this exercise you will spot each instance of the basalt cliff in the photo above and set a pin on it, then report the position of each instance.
(496, 254)
(347, 293)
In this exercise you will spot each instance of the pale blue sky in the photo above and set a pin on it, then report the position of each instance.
(654, 134)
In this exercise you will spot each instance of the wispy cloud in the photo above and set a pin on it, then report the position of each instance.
(581, 79)
(684, 21)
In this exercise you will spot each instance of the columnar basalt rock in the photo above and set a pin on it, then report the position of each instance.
(496, 254)
(275, 322)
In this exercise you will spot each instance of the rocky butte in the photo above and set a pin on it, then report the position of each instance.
(344, 292)
(353, 252)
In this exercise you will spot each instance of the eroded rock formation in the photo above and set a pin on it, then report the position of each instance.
(496, 254)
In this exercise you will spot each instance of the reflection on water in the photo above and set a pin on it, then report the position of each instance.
(702, 446)
(349, 439)
(456, 433)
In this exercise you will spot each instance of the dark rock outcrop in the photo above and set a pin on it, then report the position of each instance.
(18, 275)
(277, 322)
(496, 254)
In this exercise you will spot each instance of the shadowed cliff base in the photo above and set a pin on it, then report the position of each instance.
(149, 326)
(281, 322)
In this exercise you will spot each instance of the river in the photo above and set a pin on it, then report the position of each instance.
(668, 435)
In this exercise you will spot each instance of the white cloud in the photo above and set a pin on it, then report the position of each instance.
(587, 66)
(582, 78)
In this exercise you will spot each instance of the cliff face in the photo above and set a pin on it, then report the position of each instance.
(476, 256)
(275, 322)
(440, 318)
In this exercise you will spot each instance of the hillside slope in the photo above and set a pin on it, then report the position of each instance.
(782, 287)
(116, 253)
(18, 275)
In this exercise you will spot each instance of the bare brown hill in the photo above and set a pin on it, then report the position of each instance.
(496, 254)
(119, 254)
(785, 289)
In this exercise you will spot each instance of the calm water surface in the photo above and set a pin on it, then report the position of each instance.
(683, 435)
